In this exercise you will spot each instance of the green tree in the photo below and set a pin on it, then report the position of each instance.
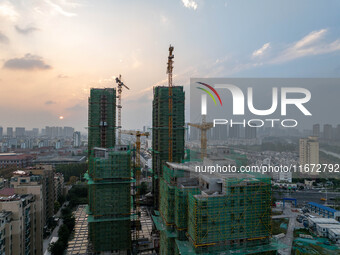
(56, 206)
(63, 234)
(56, 248)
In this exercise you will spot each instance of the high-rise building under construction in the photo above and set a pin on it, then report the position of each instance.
(102, 118)
(109, 178)
(161, 137)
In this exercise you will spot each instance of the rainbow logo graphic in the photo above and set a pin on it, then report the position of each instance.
(209, 93)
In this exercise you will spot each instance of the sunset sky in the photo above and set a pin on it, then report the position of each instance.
(53, 51)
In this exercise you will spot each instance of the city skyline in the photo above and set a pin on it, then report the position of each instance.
(44, 73)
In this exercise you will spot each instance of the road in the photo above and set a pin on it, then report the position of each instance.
(47, 241)
(306, 196)
(289, 237)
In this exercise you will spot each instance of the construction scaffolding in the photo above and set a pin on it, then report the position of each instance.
(102, 118)
(109, 180)
(160, 131)
(193, 221)
(240, 217)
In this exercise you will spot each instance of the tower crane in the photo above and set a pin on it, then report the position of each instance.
(120, 86)
(138, 135)
(169, 72)
(204, 127)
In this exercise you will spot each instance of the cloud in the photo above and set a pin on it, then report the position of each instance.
(8, 11)
(58, 8)
(28, 62)
(261, 51)
(3, 38)
(50, 102)
(27, 30)
(190, 4)
(77, 107)
(310, 45)
(62, 76)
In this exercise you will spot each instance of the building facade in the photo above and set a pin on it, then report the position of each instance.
(161, 137)
(309, 152)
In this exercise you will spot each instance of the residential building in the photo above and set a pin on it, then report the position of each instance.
(25, 183)
(76, 139)
(327, 132)
(46, 173)
(309, 153)
(23, 223)
(316, 130)
(15, 160)
(19, 132)
(9, 132)
(162, 138)
(58, 186)
(5, 232)
(213, 213)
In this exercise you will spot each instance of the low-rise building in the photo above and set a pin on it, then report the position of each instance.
(334, 235)
(15, 160)
(324, 211)
(323, 229)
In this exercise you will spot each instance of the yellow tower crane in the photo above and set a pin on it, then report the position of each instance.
(138, 135)
(204, 127)
(120, 85)
(169, 72)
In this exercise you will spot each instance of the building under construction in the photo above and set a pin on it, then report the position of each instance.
(162, 139)
(203, 213)
(109, 178)
(102, 118)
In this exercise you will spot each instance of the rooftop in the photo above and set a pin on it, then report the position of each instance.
(326, 208)
(324, 220)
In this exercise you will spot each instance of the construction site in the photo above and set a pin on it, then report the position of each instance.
(190, 212)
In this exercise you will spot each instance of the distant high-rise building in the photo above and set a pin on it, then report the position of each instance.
(35, 132)
(338, 132)
(250, 132)
(76, 139)
(160, 132)
(316, 130)
(309, 151)
(1, 132)
(19, 132)
(68, 131)
(327, 131)
(9, 132)
(234, 131)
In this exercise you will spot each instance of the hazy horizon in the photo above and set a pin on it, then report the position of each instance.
(53, 51)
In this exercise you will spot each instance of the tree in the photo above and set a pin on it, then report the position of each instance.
(73, 180)
(56, 206)
(69, 222)
(56, 248)
(63, 234)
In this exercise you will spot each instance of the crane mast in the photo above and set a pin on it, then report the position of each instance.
(138, 136)
(204, 127)
(120, 86)
(170, 124)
